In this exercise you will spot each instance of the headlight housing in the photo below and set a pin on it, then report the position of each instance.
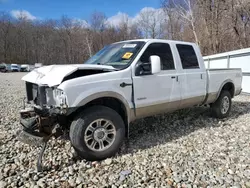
(60, 97)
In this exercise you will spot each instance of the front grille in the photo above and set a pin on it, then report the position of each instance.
(36, 93)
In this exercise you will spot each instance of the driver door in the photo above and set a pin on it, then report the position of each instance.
(161, 92)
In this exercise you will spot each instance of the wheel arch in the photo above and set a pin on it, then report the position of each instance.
(112, 100)
(227, 85)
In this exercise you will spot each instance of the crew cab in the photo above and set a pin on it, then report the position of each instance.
(96, 101)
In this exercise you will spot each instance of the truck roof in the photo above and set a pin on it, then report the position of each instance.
(158, 40)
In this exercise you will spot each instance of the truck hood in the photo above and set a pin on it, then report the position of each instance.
(53, 75)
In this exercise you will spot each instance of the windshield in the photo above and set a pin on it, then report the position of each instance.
(118, 55)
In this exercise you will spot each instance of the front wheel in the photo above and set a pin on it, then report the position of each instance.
(222, 106)
(97, 133)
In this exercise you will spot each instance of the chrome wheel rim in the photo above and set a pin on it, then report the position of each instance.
(225, 105)
(100, 135)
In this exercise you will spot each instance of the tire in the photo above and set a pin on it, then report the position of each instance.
(83, 137)
(217, 107)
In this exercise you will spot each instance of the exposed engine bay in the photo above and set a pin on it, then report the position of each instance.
(47, 116)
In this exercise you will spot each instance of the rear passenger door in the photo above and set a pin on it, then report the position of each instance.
(192, 77)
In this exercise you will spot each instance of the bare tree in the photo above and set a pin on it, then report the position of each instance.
(151, 22)
(240, 13)
(216, 25)
(89, 41)
(5, 29)
(215, 17)
(124, 28)
(186, 11)
(173, 21)
(98, 21)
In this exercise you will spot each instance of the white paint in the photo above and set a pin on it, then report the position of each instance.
(193, 81)
(155, 64)
(216, 78)
(237, 59)
(156, 89)
(162, 87)
(54, 74)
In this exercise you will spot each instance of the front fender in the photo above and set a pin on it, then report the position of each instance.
(82, 90)
(90, 95)
(82, 100)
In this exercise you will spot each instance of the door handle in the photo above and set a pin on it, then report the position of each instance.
(123, 84)
(175, 77)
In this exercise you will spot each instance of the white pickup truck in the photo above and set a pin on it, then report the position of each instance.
(97, 100)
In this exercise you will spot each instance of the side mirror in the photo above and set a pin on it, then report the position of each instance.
(143, 69)
(155, 64)
(153, 67)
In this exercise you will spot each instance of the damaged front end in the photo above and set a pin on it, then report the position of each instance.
(45, 118)
(48, 114)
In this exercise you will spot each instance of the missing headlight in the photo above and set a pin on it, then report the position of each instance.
(60, 97)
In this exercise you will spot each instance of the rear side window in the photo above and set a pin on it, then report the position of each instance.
(188, 57)
(162, 50)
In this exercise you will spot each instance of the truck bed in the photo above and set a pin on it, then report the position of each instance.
(216, 78)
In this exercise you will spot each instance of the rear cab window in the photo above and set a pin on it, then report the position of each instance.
(188, 56)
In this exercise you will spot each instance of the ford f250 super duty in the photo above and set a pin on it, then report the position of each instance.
(96, 101)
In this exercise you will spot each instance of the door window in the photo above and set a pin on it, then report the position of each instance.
(162, 50)
(188, 57)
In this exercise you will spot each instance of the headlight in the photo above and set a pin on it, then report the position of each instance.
(58, 92)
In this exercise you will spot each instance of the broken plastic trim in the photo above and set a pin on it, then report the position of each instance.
(32, 136)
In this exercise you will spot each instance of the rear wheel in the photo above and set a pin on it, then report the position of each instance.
(222, 106)
(97, 133)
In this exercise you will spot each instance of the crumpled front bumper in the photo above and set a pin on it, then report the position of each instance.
(39, 125)
(32, 126)
(29, 122)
